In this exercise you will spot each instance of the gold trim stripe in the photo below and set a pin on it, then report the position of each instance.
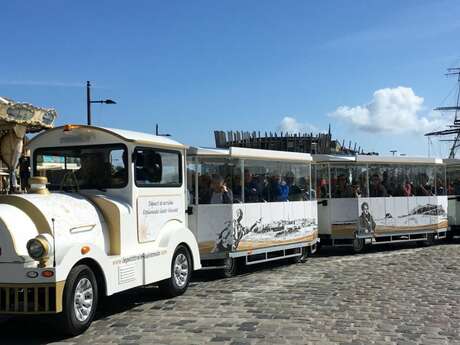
(37, 217)
(349, 229)
(207, 246)
(112, 217)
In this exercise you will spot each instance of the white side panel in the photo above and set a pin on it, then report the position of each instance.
(281, 223)
(324, 217)
(343, 211)
(214, 228)
(453, 211)
(399, 215)
(343, 214)
(153, 212)
(244, 227)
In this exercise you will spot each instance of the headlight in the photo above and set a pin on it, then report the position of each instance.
(38, 248)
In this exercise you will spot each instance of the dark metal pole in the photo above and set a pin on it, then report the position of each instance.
(88, 102)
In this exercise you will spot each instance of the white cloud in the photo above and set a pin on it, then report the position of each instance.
(290, 125)
(396, 110)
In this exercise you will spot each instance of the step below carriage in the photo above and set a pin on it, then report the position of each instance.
(110, 210)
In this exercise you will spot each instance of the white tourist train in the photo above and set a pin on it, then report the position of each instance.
(372, 199)
(110, 210)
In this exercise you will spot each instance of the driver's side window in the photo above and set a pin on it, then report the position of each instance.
(157, 168)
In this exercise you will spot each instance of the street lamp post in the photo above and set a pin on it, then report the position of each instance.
(89, 102)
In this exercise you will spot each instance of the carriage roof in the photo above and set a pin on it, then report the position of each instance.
(245, 153)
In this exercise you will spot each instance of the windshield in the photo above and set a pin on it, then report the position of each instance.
(83, 167)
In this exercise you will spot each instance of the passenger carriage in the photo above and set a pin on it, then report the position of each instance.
(251, 206)
(107, 213)
(373, 199)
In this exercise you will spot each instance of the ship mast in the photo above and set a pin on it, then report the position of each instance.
(454, 129)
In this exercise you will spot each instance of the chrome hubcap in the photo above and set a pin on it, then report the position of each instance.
(83, 300)
(181, 270)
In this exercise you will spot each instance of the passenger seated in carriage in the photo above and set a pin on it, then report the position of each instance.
(219, 193)
(356, 190)
(424, 188)
(342, 188)
(407, 188)
(295, 192)
(251, 187)
(278, 188)
(376, 188)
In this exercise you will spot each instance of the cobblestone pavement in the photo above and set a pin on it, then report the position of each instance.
(402, 295)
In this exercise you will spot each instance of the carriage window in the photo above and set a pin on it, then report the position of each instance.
(258, 177)
(322, 180)
(298, 179)
(348, 181)
(380, 178)
(268, 181)
(402, 180)
(157, 168)
(424, 181)
(453, 179)
(440, 173)
(219, 181)
(191, 180)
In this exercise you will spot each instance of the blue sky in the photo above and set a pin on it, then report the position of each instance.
(196, 66)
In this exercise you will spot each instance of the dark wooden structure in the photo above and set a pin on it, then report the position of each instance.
(321, 143)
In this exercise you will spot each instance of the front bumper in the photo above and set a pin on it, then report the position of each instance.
(31, 298)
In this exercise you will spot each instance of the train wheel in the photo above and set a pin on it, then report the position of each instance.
(79, 300)
(231, 267)
(181, 270)
(358, 245)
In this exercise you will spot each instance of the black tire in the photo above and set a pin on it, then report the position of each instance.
(231, 267)
(74, 322)
(358, 245)
(178, 282)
